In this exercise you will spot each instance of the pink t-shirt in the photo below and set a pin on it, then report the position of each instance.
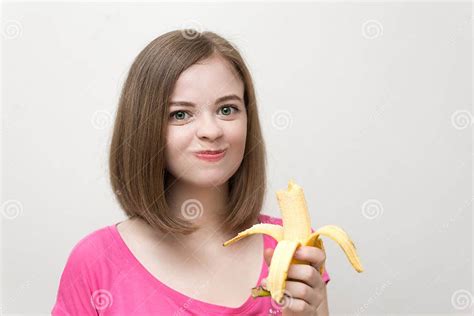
(103, 277)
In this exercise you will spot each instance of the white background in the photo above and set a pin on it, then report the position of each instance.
(358, 102)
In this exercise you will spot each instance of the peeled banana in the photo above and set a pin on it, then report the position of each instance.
(295, 232)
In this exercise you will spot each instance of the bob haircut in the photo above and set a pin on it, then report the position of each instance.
(137, 166)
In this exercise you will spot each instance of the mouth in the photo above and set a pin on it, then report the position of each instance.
(211, 152)
(211, 155)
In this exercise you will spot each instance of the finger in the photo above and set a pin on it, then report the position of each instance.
(268, 254)
(302, 291)
(305, 273)
(297, 306)
(315, 256)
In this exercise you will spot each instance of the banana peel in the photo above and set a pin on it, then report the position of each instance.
(295, 232)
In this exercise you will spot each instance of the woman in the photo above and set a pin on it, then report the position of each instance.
(186, 93)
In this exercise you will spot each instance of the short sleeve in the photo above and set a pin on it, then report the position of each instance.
(325, 276)
(74, 292)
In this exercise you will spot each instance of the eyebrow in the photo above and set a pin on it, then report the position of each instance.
(219, 100)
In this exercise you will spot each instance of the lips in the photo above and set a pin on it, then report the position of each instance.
(210, 152)
(210, 155)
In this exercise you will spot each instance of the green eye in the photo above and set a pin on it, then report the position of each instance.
(230, 107)
(173, 114)
(180, 115)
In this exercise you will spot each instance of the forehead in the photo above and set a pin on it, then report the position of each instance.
(206, 81)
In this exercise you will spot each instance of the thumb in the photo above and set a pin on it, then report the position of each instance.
(268, 254)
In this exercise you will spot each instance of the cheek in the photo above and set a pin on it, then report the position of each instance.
(178, 138)
(236, 137)
(175, 147)
(237, 134)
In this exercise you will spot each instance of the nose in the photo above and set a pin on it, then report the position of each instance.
(209, 126)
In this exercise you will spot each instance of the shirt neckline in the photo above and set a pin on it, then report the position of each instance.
(184, 299)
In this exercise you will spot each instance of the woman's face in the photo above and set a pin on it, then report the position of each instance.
(208, 125)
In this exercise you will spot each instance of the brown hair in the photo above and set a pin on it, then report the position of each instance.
(137, 167)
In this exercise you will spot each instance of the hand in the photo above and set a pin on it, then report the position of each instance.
(304, 286)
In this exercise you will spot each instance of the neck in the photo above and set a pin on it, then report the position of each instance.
(205, 207)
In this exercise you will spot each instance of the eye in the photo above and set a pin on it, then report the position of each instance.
(180, 115)
(172, 114)
(229, 106)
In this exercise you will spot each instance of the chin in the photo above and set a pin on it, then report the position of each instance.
(205, 179)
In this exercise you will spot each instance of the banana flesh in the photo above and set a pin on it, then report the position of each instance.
(295, 232)
(276, 281)
(276, 231)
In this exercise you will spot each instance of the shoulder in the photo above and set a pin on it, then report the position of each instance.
(83, 272)
(94, 241)
(90, 248)
(92, 260)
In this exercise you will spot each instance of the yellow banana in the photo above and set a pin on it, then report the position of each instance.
(295, 232)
